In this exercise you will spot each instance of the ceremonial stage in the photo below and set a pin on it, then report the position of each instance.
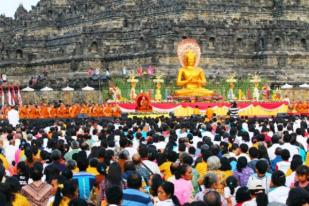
(191, 97)
(182, 109)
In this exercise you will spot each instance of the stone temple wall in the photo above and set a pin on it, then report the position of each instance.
(243, 36)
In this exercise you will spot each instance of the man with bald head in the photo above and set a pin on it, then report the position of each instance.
(141, 169)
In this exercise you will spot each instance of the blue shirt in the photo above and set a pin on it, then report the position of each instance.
(274, 162)
(133, 197)
(85, 182)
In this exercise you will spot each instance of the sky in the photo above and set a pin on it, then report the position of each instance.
(8, 7)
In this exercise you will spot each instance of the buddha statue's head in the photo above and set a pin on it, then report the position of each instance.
(191, 58)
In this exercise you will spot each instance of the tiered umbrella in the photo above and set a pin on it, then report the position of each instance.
(87, 88)
(286, 86)
(67, 89)
(46, 89)
(27, 89)
(304, 86)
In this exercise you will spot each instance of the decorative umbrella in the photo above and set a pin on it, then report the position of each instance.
(67, 88)
(27, 89)
(287, 86)
(304, 85)
(46, 89)
(87, 88)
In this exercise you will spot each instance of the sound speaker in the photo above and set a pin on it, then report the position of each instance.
(282, 115)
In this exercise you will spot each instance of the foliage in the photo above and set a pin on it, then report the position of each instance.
(145, 84)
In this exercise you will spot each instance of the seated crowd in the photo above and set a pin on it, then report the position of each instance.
(162, 162)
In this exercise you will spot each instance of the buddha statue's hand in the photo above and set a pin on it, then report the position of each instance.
(197, 81)
(186, 81)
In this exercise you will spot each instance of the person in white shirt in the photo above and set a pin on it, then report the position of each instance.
(296, 162)
(149, 165)
(231, 189)
(10, 149)
(284, 165)
(182, 133)
(131, 150)
(13, 116)
(96, 126)
(300, 138)
(293, 149)
(271, 150)
(166, 195)
(279, 192)
(261, 175)
(256, 189)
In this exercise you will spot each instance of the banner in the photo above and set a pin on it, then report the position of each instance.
(249, 93)
(13, 96)
(9, 96)
(150, 70)
(20, 100)
(2, 96)
(140, 71)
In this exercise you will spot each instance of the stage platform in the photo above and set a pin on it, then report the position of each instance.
(220, 108)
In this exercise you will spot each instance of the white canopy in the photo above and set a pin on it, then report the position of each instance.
(286, 86)
(27, 89)
(87, 88)
(46, 89)
(67, 88)
(304, 85)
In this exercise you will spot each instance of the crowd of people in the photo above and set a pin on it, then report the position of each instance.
(162, 161)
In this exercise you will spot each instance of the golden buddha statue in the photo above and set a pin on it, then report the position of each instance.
(190, 77)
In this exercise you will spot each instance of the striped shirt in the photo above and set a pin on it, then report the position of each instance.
(38, 193)
(234, 112)
(85, 182)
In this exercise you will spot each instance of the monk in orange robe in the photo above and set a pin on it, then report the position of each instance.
(116, 111)
(305, 107)
(45, 111)
(23, 112)
(5, 112)
(72, 111)
(143, 104)
(209, 113)
(77, 111)
(101, 110)
(31, 112)
(92, 110)
(95, 110)
(300, 107)
(61, 111)
(84, 109)
(107, 110)
(37, 112)
(91, 107)
(66, 111)
(52, 111)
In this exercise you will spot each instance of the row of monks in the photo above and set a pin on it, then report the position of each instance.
(299, 107)
(45, 111)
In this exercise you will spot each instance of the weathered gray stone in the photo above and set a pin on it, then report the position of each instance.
(246, 36)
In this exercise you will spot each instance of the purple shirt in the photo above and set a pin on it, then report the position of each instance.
(243, 176)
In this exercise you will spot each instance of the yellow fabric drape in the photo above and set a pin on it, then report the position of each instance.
(249, 111)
